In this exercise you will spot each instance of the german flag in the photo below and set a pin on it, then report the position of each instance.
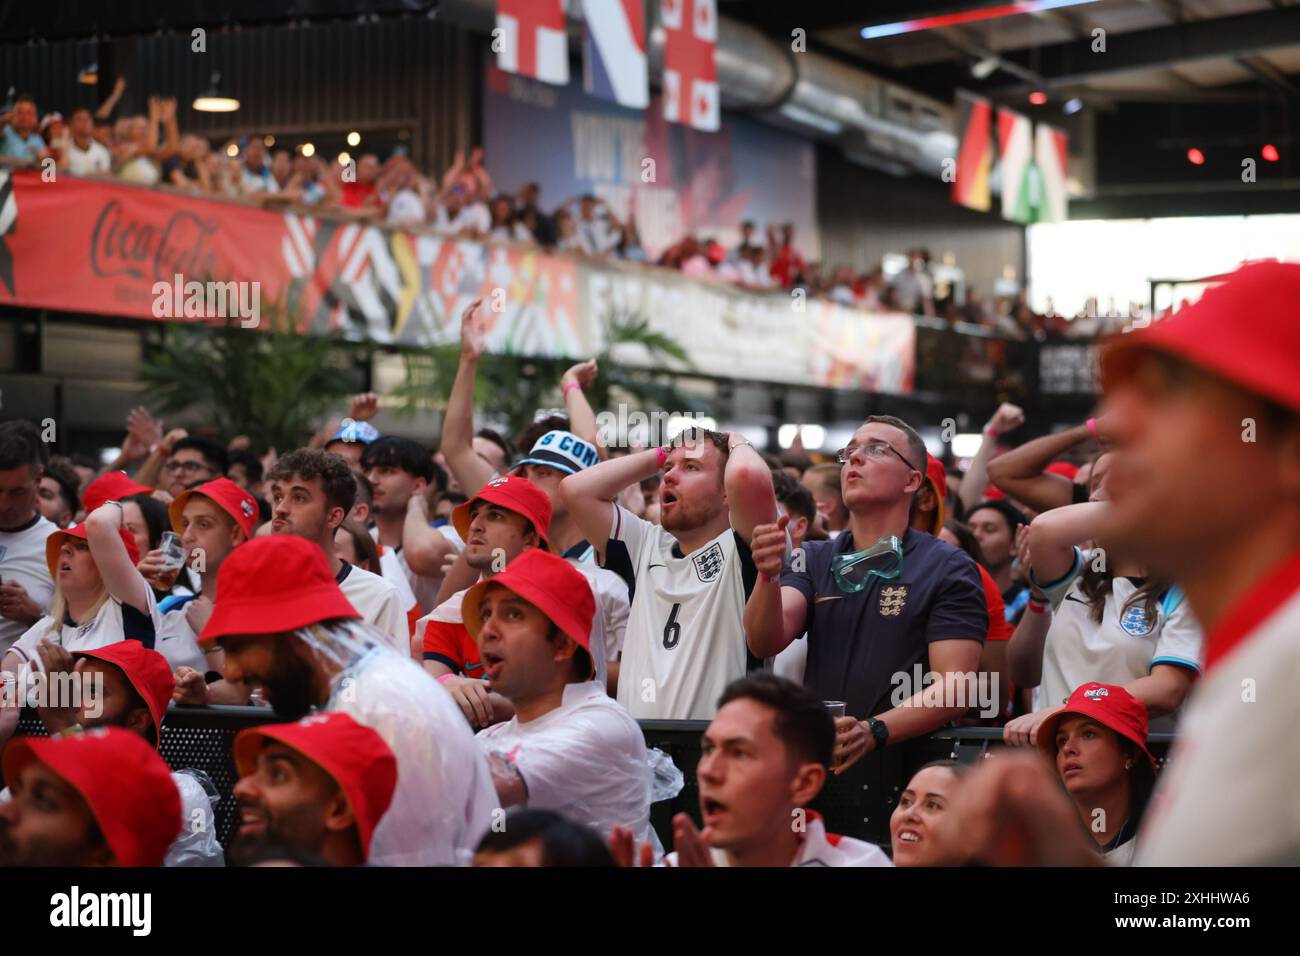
(970, 187)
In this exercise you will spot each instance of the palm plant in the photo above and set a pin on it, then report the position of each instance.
(273, 384)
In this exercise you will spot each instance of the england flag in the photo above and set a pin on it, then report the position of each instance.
(530, 39)
(615, 64)
(690, 74)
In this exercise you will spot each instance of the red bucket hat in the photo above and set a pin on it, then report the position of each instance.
(354, 755)
(271, 585)
(1108, 704)
(1246, 331)
(146, 671)
(226, 495)
(113, 486)
(552, 584)
(125, 783)
(938, 479)
(515, 493)
(55, 542)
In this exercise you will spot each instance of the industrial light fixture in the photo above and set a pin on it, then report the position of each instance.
(1038, 97)
(1072, 106)
(308, 150)
(983, 69)
(1195, 157)
(1269, 152)
(212, 100)
(354, 138)
(88, 75)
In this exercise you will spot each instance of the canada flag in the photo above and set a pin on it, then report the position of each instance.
(690, 73)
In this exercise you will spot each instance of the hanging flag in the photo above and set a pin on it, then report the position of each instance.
(970, 185)
(690, 73)
(1052, 156)
(615, 64)
(532, 41)
(1020, 187)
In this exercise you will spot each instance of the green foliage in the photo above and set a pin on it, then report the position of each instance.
(513, 387)
(272, 383)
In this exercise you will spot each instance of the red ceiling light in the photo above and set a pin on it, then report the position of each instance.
(1195, 157)
(1038, 97)
(1269, 152)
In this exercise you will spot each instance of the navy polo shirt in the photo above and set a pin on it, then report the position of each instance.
(857, 643)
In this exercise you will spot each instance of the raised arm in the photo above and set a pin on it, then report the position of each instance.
(106, 108)
(1054, 534)
(976, 480)
(1019, 472)
(424, 546)
(457, 444)
(120, 576)
(588, 493)
(582, 420)
(748, 483)
(1024, 652)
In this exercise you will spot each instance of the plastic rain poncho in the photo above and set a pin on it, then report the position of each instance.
(444, 800)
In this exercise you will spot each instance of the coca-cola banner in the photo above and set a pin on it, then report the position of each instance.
(81, 245)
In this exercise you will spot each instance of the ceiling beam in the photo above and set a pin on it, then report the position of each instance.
(1231, 37)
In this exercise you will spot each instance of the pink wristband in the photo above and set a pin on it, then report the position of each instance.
(1034, 607)
(1092, 428)
(444, 677)
(770, 579)
(570, 387)
(662, 452)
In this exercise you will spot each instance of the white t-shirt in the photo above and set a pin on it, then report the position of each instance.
(685, 638)
(586, 760)
(473, 216)
(819, 848)
(444, 799)
(114, 622)
(178, 643)
(406, 209)
(1122, 648)
(93, 160)
(393, 565)
(22, 561)
(1229, 793)
(378, 603)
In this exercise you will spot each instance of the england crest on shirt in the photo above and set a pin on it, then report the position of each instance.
(893, 600)
(708, 563)
(1136, 622)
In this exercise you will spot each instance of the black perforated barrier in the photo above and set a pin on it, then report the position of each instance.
(856, 803)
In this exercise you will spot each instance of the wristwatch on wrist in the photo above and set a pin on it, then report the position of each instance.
(879, 730)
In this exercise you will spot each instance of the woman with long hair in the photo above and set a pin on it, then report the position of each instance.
(1104, 620)
(1098, 743)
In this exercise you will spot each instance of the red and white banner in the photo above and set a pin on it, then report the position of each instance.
(80, 245)
(690, 74)
(530, 39)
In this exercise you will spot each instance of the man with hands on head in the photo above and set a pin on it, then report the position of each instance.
(875, 602)
(684, 642)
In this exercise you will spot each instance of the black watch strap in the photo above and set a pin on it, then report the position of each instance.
(879, 729)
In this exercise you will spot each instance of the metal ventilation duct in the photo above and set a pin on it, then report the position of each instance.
(875, 123)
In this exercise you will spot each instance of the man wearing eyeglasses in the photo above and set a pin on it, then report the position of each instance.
(192, 460)
(873, 607)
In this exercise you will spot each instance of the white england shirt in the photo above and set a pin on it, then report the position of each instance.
(112, 623)
(818, 848)
(22, 561)
(1229, 793)
(1123, 647)
(586, 760)
(685, 639)
(378, 603)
